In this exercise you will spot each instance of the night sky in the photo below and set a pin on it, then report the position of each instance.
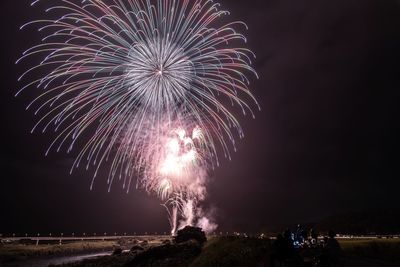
(325, 142)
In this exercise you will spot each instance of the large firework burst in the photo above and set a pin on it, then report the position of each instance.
(122, 74)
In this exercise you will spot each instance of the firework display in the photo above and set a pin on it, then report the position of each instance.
(147, 87)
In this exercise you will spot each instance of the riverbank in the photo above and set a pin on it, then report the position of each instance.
(246, 252)
(218, 251)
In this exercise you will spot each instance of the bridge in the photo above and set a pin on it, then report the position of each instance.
(68, 239)
(37, 239)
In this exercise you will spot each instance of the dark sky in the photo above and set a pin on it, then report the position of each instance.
(325, 142)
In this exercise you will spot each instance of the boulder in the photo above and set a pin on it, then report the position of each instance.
(191, 233)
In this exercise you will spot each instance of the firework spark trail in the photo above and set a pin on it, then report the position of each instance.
(124, 73)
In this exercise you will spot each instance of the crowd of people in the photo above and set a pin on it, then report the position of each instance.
(305, 248)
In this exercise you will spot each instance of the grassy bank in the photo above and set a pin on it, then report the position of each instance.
(224, 251)
(232, 251)
(387, 250)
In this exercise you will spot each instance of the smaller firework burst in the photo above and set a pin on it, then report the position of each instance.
(177, 174)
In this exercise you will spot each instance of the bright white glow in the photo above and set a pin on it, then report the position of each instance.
(179, 156)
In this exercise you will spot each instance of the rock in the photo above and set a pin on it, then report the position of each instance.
(191, 233)
(117, 251)
(166, 242)
(137, 248)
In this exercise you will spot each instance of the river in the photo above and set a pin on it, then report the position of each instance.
(45, 262)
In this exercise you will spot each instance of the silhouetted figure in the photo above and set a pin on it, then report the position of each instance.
(298, 236)
(333, 246)
(303, 242)
(289, 246)
(283, 250)
(314, 237)
(332, 251)
(278, 251)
